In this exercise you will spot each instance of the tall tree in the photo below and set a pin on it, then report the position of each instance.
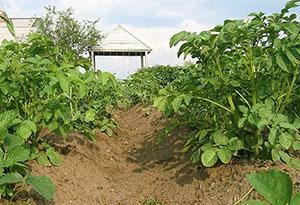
(69, 33)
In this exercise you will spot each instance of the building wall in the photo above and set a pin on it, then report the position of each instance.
(23, 26)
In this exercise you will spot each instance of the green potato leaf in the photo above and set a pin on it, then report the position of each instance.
(15, 155)
(209, 158)
(11, 178)
(273, 185)
(43, 185)
(296, 199)
(225, 155)
(54, 157)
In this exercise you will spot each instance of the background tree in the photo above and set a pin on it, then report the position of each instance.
(69, 33)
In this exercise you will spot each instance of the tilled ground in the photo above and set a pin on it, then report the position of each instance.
(130, 169)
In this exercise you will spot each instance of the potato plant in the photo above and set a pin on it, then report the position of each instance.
(15, 151)
(44, 88)
(144, 85)
(241, 98)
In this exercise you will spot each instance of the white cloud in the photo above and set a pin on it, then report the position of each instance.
(158, 39)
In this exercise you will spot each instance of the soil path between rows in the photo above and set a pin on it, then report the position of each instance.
(129, 169)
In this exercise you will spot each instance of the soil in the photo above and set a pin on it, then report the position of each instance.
(130, 169)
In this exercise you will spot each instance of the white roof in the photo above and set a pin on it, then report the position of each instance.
(23, 26)
(121, 40)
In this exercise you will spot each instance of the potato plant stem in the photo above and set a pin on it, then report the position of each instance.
(213, 102)
(290, 89)
(244, 197)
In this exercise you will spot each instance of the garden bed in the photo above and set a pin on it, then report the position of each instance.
(129, 168)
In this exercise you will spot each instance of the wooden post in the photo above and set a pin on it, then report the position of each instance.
(146, 59)
(142, 61)
(93, 60)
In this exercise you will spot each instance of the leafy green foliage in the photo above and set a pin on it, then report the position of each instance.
(242, 95)
(275, 186)
(41, 87)
(48, 89)
(145, 84)
(68, 33)
(13, 157)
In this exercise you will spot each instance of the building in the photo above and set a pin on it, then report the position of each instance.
(120, 45)
(23, 26)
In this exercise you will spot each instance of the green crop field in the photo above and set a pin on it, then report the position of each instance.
(239, 102)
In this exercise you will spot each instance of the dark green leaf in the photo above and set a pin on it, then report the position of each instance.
(43, 185)
(296, 199)
(281, 63)
(43, 160)
(235, 144)
(285, 157)
(25, 129)
(11, 178)
(54, 157)
(255, 202)
(275, 186)
(16, 154)
(272, 138)
(12, 141)
(177, 38)
(9, 24)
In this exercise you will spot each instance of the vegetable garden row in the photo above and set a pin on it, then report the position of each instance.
(239, 100)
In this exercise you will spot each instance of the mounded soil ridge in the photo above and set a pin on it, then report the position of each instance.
(129, 168)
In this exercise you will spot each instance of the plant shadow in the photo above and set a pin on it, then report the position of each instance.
(167, 155)
(66, 145)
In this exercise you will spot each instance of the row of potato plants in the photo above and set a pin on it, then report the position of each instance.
(241, 98)
(144, 85)
(43, 88)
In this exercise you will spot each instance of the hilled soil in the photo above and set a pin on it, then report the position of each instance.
(129, 169)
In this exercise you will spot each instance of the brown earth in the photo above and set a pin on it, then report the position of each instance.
(130, 169)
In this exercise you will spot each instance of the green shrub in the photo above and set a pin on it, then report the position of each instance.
(242, 96)
(145, 84)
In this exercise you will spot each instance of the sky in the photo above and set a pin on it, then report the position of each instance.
(153, 21)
